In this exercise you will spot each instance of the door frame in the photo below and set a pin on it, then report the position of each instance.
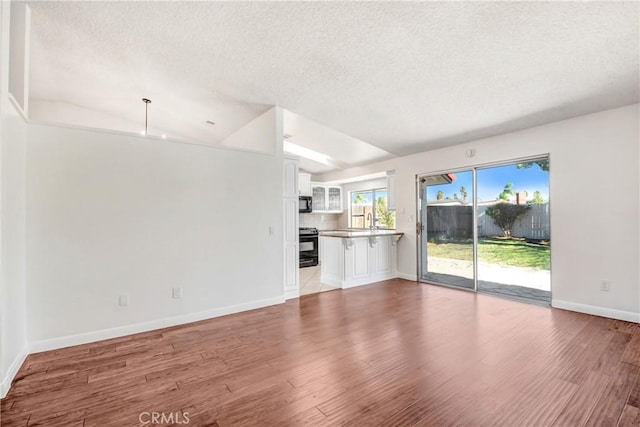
(474, 169)
(420, 226)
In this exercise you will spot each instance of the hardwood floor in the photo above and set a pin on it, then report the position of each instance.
(396, 353)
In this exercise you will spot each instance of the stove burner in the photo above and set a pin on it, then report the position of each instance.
(308, 230)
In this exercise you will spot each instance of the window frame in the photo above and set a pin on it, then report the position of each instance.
(373, 202)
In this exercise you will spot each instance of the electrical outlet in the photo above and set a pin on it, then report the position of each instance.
(177, 293)
(123, 300)
(605, 286)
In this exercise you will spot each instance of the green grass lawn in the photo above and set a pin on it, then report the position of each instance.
(514, 252)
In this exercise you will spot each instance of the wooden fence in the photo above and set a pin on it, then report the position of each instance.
(456, 223)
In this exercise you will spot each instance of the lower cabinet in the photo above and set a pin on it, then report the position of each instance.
(356, 261)
(384, 250)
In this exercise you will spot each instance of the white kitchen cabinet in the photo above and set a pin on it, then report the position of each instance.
(358, 260)
(326, 198)
(290, 178)
(383, 254)
(319, 201)
(334, 199)
(304, 184)
(290, 229)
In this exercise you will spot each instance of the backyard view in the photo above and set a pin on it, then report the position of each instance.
(511, 252)
(369, 209)
(511, 215)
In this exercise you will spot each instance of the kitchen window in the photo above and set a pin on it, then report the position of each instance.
(369, 209)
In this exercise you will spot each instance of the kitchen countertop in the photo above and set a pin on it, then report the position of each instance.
(359, 233)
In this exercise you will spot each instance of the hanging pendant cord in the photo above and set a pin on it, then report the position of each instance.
(146, 113)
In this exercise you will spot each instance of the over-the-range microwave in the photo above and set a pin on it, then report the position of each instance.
(305, 204)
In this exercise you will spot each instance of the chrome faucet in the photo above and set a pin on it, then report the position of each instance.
(370, 219)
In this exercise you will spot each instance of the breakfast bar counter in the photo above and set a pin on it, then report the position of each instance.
(358, 257)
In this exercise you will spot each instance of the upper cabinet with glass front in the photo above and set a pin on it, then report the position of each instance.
(326, 198)
(319, 201)
(334, 199)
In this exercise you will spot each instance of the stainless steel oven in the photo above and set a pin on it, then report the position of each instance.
(308, 243)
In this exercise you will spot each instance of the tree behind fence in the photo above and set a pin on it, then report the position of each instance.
(456, 223)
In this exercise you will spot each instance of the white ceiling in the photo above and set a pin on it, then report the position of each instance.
(403, 76)
(342, 150)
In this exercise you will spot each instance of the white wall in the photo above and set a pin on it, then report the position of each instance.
(63, 112)
(19, 54)
(12, 277)
(320, 221)
(112, 214)
(251, 137)
(593, 157)
(13, 340)
(4, 91)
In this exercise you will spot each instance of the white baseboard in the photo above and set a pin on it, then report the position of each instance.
(332, 281)
(371, 280)
(12, 371)
(612, 313)
(412, 277)
(104, 334)
(291, 294)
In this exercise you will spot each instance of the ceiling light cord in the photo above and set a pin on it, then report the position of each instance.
(146, 113)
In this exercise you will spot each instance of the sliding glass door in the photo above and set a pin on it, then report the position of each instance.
(446, 228)
(514, 253)
(487, 229)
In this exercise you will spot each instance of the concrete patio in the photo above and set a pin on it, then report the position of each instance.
(522, 283)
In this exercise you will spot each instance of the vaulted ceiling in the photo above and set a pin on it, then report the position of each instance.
(402, 76)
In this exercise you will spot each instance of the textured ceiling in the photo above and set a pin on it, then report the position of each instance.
(343, 150)
(403, 76)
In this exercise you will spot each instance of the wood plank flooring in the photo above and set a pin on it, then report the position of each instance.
(396, 353)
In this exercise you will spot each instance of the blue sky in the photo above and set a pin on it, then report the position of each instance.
(491, 182)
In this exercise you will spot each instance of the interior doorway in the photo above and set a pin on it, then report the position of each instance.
(487, 229)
